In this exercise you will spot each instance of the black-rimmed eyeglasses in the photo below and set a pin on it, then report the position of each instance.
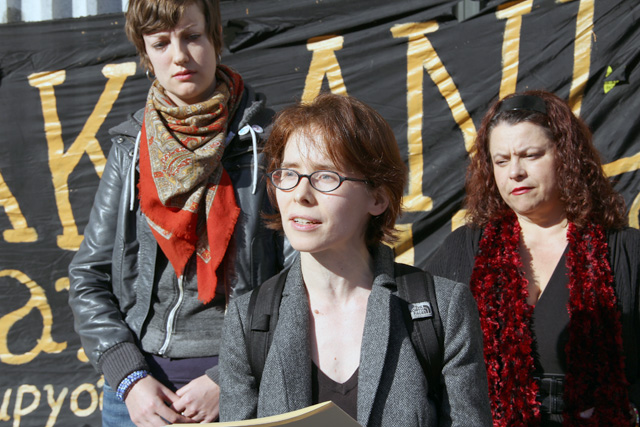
(323, 181)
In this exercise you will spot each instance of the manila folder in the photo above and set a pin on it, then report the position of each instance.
(320, 415)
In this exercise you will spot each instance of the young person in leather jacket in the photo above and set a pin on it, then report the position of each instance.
(175, 230)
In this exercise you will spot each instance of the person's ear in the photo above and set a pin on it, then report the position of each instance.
(149, 73)
(380, 202)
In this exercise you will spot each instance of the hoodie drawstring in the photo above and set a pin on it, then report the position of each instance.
(254, 139)
(133, 172)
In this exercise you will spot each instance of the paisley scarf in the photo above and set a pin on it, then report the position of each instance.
(595, 375)
(185, 193)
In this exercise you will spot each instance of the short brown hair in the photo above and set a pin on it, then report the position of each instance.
(586, 193)
(355, 136)
(149, 16)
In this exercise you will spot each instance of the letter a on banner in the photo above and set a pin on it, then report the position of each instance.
(324, 62)
(37, 301)
(63, 163)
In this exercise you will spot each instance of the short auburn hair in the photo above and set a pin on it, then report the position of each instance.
(586, 193)
(149, 16)
(353, 136)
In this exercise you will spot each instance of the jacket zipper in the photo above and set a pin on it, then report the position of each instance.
(172, 316)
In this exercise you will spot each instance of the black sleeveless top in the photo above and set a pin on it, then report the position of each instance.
(550, 326)
(551, 322)
(455, 260)
(344, 395)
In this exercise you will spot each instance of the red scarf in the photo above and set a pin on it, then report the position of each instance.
(595, 369)
(185, 193)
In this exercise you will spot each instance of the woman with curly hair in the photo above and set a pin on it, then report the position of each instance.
(553, 269)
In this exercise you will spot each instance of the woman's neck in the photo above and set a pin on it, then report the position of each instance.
(338, 285)
(541, 248)
(550, 229)
(335, 276)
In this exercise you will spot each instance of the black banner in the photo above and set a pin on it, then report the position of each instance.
(64, 83)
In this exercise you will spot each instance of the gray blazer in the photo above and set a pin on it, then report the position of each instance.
(391, 388)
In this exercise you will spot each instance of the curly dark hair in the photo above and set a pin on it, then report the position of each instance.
(354, 136)
(585, 191)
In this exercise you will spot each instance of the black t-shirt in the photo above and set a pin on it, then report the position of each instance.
(550, 326)
(344, 395)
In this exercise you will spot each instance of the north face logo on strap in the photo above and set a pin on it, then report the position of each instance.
(420, 310)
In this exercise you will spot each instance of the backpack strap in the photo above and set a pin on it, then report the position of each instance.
(422, 319)
(421, 316)
(262, 318)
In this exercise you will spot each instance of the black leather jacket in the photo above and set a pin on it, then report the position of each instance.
(112, 274)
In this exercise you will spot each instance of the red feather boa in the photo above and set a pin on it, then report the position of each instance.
(595, 369)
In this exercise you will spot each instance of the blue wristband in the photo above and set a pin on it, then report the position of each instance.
(130, 380)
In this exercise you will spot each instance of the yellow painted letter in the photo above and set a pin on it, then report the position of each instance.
(324, 62)
(54, 404)
(19, 411)
(20, 232)
(61, 163)
(84, 388)
(581, 54)
(420, 53)
(4, 409)
(512, 12)
(38, 301)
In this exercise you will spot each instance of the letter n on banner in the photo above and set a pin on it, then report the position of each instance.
(61, 163)
(420, 53)
(582, 53)
(513, 13)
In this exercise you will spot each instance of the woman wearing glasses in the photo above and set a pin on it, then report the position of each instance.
(337, 180)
